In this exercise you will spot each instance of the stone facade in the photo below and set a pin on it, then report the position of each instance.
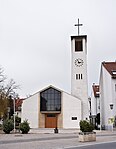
(79, 87)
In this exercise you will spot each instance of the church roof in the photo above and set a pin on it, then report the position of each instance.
(79, 37)
(95, 90)
(110, 67)
(51, 86)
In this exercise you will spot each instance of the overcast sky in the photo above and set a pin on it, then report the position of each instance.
(35, 47)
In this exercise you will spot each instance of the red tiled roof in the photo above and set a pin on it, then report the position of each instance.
(110, 67)
(95, 90)
(18, 103)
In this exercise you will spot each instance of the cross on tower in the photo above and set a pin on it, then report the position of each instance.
(78, 26)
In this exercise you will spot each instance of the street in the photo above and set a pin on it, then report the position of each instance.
(56, 141)
(111, 145)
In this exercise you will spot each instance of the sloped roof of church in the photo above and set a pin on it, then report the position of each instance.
(51, 86)
(111, 68)
(95, 90)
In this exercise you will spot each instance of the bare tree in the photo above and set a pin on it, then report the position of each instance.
(2, 77)
(7, 94)
(11, 88)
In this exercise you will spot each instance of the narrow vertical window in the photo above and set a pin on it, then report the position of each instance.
(76, 76)
(81, 76)
(78, 45)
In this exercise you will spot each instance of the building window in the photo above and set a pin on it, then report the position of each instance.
(50, 100)
(74, 118)
(76, 76)
(78, 45)
(79, 76)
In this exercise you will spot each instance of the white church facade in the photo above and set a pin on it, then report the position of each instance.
(52, 107)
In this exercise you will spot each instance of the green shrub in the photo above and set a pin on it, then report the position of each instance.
(8, 126)
(85, 126)
(24, 127)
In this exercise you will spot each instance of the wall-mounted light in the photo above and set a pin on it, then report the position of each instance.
(111, 106)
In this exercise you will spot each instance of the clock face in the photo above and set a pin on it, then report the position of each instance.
(78, 62)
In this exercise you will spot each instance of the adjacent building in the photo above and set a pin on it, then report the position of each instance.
(95, 106)
(18, 107)
(107, 85)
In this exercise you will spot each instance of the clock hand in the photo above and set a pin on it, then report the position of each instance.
(79, 62)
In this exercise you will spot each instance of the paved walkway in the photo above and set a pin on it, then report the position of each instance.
(46, 139)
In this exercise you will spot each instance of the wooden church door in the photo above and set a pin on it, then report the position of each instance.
(51, 121)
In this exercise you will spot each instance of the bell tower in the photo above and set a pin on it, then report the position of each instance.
(79, 84)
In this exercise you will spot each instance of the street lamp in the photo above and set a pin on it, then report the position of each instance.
(14, 113)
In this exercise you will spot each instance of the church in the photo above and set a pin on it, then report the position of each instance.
(52, 107)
